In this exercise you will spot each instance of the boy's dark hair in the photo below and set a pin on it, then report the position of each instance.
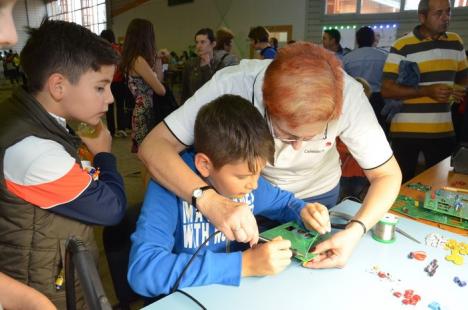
(230, 129)
(259, 34)
(207, 32)
(224, 37)
(108, 35)
(65, 48)
(139, 41)
(365, 37)
(335, 34)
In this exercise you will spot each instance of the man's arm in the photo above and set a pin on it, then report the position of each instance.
(392, 90)
(160, 154)
(16, 295)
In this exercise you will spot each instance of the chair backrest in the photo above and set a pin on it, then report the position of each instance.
(78, 256)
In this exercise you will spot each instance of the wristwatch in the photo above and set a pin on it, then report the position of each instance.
(198, 192)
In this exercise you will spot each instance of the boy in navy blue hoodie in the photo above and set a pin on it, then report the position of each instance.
(232, 145)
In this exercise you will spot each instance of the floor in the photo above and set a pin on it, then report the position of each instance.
(129, 167)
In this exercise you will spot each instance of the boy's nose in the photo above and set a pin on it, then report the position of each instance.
(109, 97)
(253, 184)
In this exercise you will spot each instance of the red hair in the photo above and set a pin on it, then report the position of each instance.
(304, 84)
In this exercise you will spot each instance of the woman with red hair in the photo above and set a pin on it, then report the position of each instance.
(308, 101)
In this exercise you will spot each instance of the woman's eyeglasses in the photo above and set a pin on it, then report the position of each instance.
(283, 136)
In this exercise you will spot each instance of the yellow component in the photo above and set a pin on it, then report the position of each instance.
(455, 257)
(416, 203)
(60, 279)
(456, 251)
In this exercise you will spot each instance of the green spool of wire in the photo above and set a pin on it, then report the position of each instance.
(384, 230)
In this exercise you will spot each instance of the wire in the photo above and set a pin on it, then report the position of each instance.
(177, 283)
(192, 298)
(352, 198)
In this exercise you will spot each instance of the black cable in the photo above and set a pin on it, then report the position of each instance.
(352, 198)
(192, 298)
(177, 283)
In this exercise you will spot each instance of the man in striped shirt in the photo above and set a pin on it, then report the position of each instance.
(424, 124)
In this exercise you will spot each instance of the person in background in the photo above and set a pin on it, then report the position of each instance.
(13, 294)
(260, 41)
(144, 74)
(274, 43)
(367, 62)
(424, 123)
(119, 92)
(198, 70)
(331, 41)
(232, 145)
(308, 101)
(224, 40)
(46, 192)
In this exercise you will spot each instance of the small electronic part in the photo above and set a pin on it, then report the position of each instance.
(432, 267)
(302, 241)
(59, 280)
(458, 281)
(434, 305)
(418, 255)
(409, 298)
(457, 249)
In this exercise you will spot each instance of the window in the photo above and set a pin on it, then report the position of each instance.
(380, 6)
(340, 6)
(411, 5)
(88, 13)
(461, 3)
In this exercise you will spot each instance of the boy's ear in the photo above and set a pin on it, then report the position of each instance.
(56, 86)
(203, 164)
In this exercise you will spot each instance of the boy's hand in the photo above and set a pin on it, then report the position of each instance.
(234, 219)
(315, 216)
(102, 142)
(266, 258)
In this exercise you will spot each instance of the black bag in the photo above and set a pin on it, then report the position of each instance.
(164, 105)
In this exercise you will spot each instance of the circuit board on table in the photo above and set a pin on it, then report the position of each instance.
(301, 239)
(447, 202)
(412, 208)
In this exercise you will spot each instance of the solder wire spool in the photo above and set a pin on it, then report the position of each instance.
(384, 230)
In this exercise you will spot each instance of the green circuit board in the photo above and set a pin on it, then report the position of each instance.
(413, 208)
(301, 239)
(447, 202)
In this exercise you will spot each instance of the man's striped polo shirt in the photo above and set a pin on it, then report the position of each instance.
(439, 61)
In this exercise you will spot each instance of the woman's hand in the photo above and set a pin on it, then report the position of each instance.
(234, 219)
(335, 252)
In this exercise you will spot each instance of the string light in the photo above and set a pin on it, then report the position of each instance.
(379, 26)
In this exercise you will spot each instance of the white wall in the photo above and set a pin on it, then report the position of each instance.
(175, 26)
(27, 13)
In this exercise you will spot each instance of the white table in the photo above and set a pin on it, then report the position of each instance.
(353, 287)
